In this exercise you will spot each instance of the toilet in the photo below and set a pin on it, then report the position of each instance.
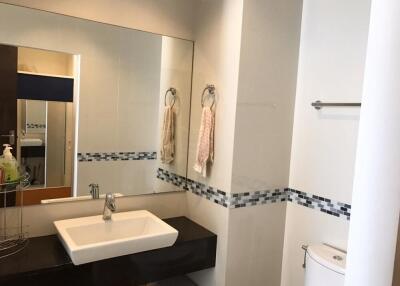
(325, 266)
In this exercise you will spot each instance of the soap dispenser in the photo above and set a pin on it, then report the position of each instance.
(9, 165)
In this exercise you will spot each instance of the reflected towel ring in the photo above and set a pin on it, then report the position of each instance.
(173, 93)
(211, 92)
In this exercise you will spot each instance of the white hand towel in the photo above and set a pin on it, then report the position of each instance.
(205, 145)
(167, 136)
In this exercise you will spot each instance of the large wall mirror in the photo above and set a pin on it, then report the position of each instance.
(91, 108)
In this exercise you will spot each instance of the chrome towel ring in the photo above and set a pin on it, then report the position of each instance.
(173, 98)
(210, 88)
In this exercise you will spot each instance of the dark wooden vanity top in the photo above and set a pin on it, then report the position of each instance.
(45, 262)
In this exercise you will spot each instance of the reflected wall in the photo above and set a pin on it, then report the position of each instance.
(121, 76)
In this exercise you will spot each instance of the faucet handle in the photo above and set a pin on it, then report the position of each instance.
(110, 201)
(110, 196)
(94, 190)
(109, 206)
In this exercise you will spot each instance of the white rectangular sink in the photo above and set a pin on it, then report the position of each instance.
(89, 239)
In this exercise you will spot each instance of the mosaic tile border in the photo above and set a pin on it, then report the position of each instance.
(239, 200)
(228, 200)
(319, 203)
(116, 156)
(236, 200)
(210, 193)
(35, 126)
(171, 178)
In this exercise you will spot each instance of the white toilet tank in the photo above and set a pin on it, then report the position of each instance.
(325, 266)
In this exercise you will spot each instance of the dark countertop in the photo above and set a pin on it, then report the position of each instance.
(42, 253)
(46, 254)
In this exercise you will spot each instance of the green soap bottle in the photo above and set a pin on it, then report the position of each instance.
(9, 165)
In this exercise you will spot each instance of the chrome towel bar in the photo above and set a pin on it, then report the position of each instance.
(318, 104)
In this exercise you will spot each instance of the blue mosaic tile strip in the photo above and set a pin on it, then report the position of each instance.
(210, 193)
(35, 126)
(228, 200)
(240, 200)
(116, 156)
(319, 203)
(171, 178)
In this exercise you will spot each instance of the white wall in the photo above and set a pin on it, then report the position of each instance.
(216, 219)
(255, 244)
(49, 62)
(374, 224)
(119, 99)
(172, 17)
(332, 55)
(331, 67)
(176, 72)
(216, 61)
(253, 131)
(266, 94)
(35, 114)
(262, 143)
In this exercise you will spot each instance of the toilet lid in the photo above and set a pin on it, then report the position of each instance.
(329, 257)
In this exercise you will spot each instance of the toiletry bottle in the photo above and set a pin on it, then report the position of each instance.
(1, 176)
(9, 165)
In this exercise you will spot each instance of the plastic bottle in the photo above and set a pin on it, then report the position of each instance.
(9, 165)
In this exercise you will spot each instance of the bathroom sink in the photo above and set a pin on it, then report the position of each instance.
(89, 239)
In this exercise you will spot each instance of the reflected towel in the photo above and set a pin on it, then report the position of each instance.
(167, 136)
(205, 144)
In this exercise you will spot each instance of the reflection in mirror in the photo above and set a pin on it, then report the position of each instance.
(42, 120)
(33, 116)
(91, 106)
(44, 143)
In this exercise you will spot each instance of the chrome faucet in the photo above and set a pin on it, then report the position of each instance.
(109, 206)
(94, 190)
